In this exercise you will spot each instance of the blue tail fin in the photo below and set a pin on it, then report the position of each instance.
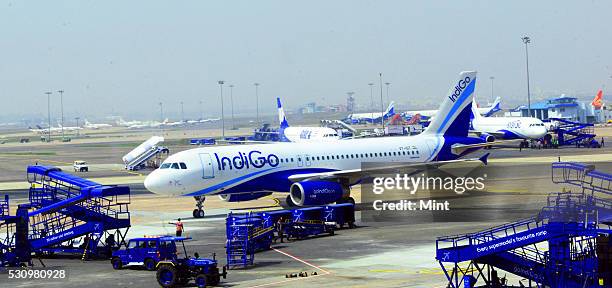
(494, 107)
(283, 124)
(282, 120)
(453, 116)
(390, 110)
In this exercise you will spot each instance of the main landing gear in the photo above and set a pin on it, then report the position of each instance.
(199, 212)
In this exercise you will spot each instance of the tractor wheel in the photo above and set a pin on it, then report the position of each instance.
(149, 264)
(214, 280)
(200, 281)
(167, 276)
(117, 264)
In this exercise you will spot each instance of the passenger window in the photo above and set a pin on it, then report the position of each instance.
(132, 244)
(152, 244)
(143, 244)
(175, 166)
(165, 166)
(183, 166)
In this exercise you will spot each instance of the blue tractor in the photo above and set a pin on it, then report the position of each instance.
(176, 272)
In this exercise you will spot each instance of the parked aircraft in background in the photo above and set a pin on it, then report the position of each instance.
(315, 173)
(428, 114)
(371, 117)
(89, 125)
(507, 128)
(303, 134)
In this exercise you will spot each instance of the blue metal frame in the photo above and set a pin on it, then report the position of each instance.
(62, 208)
(572, 224)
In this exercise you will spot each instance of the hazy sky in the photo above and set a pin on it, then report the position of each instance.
(123, 57)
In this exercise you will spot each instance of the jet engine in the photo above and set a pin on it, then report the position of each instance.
(316, 192)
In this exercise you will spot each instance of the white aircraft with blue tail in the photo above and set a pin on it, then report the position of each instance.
(371, 117)
(506, 128)
(302, 134)
(317, 173)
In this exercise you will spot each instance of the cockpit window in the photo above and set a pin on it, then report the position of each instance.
(165, 166)
(175, 166)
(183, 166)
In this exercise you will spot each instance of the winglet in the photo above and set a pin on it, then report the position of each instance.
(484, 158)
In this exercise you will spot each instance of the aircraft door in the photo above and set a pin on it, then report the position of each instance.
(300, 161)
(207, 166)
(307, 160)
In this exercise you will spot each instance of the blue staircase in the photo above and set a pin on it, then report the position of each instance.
(246, 234)
(574, 133)
(62, 209)
(560, 247)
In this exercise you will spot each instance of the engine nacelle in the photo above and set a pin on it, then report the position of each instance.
(243, 196)
(487, 137)
(316, 192)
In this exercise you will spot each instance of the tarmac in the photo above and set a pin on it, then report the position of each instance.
(375, 254)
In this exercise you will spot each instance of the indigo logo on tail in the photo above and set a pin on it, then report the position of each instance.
(459, 88)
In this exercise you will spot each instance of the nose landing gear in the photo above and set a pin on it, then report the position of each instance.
(199, 212)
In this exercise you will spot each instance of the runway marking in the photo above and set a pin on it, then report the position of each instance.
(300, 260)
(325, 272)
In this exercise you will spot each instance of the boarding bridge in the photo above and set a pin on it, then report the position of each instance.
(65, 210)
(148, 151)
(574, 133)
(566, 245)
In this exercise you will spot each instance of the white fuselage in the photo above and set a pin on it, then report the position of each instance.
(216, 170)
(310, 134)
(511, 127)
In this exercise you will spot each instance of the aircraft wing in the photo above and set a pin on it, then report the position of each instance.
(497, 135)
(460, 148)
(360, 173)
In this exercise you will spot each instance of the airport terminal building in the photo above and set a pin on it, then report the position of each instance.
(564, 107)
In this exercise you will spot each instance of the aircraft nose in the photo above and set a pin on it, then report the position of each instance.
(154, 183)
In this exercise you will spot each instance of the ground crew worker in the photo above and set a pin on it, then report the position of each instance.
(279, 229)
(179, 227)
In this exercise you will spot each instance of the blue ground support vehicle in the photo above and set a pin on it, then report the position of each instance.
(146, 252)
(178, 272)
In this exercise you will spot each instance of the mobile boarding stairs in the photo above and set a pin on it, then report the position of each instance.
(63, 209)
(566, 245)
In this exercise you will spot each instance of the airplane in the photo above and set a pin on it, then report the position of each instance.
(121, 122)
(41, 130)
(167, 123)
(428, 114)
(316, 173)
(68, 128)
(209, 120)
(491, 128)
(303, 134)
(89, 125)
(371, 117)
